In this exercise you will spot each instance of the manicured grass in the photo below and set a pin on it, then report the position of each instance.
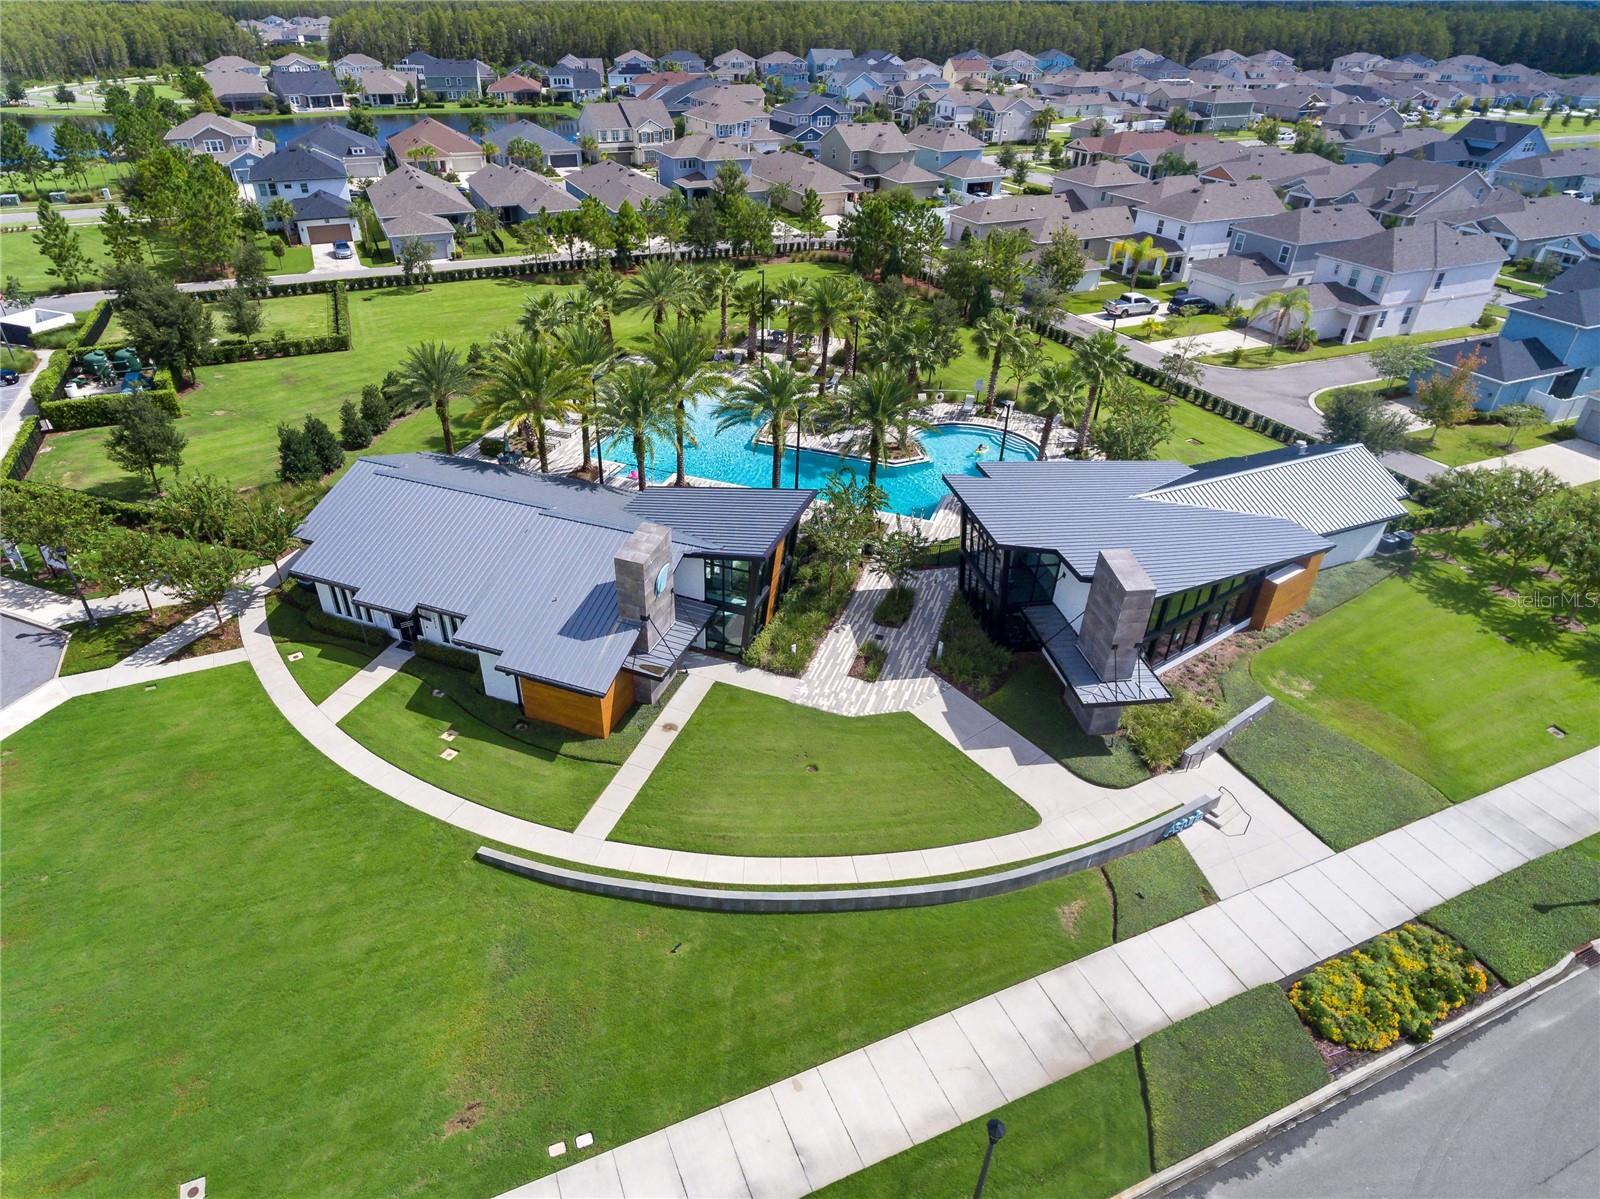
(1432, 670)
(1182, 326)
(1030, 702)
(752, 774)
(1223, 1069)
(1524, 921)
(1483, 439)
(1273, 356)
(23, 259)
(1156, 886)
(97, 647)
(327, 661)
(1084, 1137)
(1199, 436)
(18, 359)
(95, 176)
(296, 316)
(1520, 287)
(225, 955)
(402, 722)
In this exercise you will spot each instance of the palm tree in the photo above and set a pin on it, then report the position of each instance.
(719, 280)
(681, 358)
(661, 287)
(1054, 392)
(921, 347)
(1101, 360)
(996, 335)
(633, 400)
(1284, 305)
(860, 304)
(879, 401)
(751, 302)
(591, 353)
(529, 382)
(790, 292)
(826, 309)
(1041, 121)
(602, 286)
(590, 147)
(477, 124)
(1138, 253)
(434, 374)
(545, 312)
(773, 394)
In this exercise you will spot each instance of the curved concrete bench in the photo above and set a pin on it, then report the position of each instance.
(858, 899)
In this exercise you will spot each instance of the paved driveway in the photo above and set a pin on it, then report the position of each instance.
(324, 263)
(29, 655)
(1574, 461)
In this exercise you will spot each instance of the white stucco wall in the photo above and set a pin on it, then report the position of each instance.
(1071, 596)
(1353, 544)
(496, 683)
(689, 580)
(380, 620)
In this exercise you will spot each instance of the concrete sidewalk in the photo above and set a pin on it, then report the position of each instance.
(804, 1132)
(364, 682)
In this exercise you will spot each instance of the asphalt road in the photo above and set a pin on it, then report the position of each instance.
(28, 657)
(1508, 1112)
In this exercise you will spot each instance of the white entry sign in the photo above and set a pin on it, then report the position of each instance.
(14, 556)
(52, 559)
(194, 1189)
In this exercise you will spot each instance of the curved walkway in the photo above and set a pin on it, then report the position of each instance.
(1072, 811)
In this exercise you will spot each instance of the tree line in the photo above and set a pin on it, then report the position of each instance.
(55, 40)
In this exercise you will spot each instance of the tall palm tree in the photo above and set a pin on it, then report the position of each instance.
(591, 353)
(922, 347)
(719, 279)
(752, 302)
(528, 382)
(632, 400)
(826, 310)
(434, 374)
(1054, 392)
(660, 287)
(880, 401)
(681, 358)
(860, 305)
(545, 313)
(603, 288)
(1138, 253)
(1284, 305)
(996, 335)
(790, 292)
(773, 394)
(1101, 360)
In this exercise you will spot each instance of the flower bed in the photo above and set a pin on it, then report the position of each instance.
(1399, 983)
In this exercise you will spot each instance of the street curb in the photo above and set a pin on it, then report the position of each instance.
(1352, 1084)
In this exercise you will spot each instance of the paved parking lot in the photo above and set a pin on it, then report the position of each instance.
(29, 655)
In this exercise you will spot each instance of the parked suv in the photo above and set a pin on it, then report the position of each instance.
(1184, 298)
(1131, 303)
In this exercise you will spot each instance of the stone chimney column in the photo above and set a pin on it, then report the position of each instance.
(1121, 595)
(644, 583)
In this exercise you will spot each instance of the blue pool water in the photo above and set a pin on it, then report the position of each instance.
(732, 456)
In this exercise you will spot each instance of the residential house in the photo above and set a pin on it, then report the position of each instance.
(879, 155)
(1555, 229)
(413, 206)
(354, 66)
(1054, 62)
(1089, 186)
(967, 70)
(287, 31)
(921, 70)
(1358, 62)
(1291, 105)
(683, 60)
(516, 194)
(1118, 571)
(1407, 191)
(783, 66)
(734, 65)
(437, 147)
(1194, 223)
(516, 89)
(820, 60)
(914, 101)
(1382, 147)
(307, 90)
(1278, 167)
(728, 119)
(627, 130)
(232, 62)
(559, 153)
(627, 67)
(611, 183)
(386, 89)
(690, 164)
(233, 144)
(1008, 118)
(593, 595)
(1014, 66)
(361, 155)
(806, 118)
(239, 91)
(568, 80)
(798, 173)
(956, 107)
(450, 78)
(1561, 171)
(1276, 253)
(1118, 146)
(295, 62)
(957, 158)
(315, 183)
(1216, 60)
(1351, 121)
(1039, 218)
(1216, 110)
(1134, 60)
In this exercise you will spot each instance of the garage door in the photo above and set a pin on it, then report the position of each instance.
(321, 235)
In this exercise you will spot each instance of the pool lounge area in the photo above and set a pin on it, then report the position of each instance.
(733, 456)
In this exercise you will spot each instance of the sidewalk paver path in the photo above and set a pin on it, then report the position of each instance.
(803, 1132)
(364, 682)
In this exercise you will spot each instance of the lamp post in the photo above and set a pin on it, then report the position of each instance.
(1005, 433)
(761, 345)
(799, 413)
(996, 1131)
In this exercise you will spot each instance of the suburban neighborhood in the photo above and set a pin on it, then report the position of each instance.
(602, 600)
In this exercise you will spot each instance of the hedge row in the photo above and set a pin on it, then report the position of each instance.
(19, 458)
(51, 381)
(123, 512)
(91, 412)
(251, 349)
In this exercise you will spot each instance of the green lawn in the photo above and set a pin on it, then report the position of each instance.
(227, 956)
(1523, 922)
(296, 316)
(1156, 886)
(1084, 1137)
(1199, 436)
(1520, 287)
(1030, 702)
(1483, 439)
(1223, 1069)
(92, 647)
(1269, 356)
(18, 359)
(752, 774)
(1455, 684)
(327, 662)
(20, 256)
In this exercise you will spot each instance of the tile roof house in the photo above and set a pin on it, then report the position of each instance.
(516, 194)
(578, 601)
(612, 184)
(433, 144)
(1118, 571)
(412, 205)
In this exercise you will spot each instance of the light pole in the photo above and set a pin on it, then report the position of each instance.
(761, 346)
(996, 1131)
(799, 413)
(1006, 432)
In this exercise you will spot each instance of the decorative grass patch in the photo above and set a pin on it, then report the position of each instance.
(1160, 733)
(227, 951)
(1156, 886)
(327, 661)
(1030, 702)
(752, 774)
(1524, 921)
(1083, 1137)
(1223, 1069)
(870, 657)
(1484, 439)
(1269, 356)
(970, 660)
(96, 648)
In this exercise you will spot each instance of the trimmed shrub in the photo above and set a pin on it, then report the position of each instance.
(1401, 982)
(338, 626)
(1159, 733)
(447, 655)
(894, 609)
(354, 434)
(971, 660)
(92, 412)
(20, 456)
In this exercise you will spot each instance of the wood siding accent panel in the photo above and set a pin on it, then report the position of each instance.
(592, 715)
(1276, 601)
(777, 573)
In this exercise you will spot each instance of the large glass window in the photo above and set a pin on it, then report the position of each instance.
(1181, 621)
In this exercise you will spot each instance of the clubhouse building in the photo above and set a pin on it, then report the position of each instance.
(1118, 570)
(577, 600)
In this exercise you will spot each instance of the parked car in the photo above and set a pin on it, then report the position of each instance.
(341, 249)
(1184, 298)
(1131, 303)
(8, 376)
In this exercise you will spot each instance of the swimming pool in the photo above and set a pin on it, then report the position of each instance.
(731, 456)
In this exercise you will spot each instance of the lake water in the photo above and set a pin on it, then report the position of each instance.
(41, 130)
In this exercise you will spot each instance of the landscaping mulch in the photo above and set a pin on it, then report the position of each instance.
(218, 640)
(1341, 1059)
